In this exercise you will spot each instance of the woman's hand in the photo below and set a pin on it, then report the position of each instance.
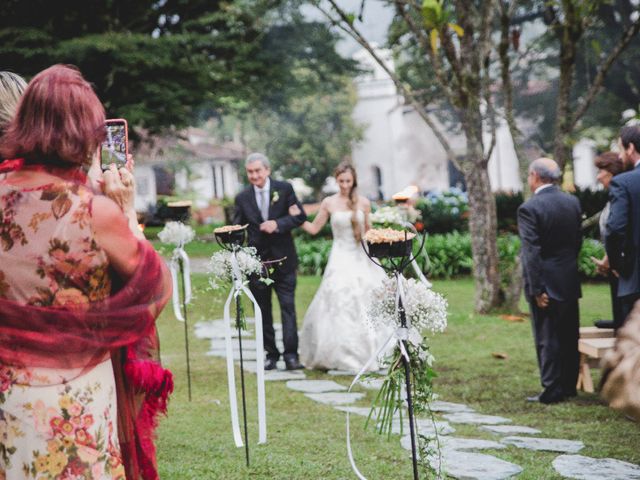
(294, 210)
(119, 186)
(602, 266)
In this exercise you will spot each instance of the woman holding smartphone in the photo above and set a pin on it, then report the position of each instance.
(80, 380)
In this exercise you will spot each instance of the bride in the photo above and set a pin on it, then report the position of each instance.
(335, 334)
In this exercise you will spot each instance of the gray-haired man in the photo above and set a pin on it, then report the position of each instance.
(265, 207)
(549, 227)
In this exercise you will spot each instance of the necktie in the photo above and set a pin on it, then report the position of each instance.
(264, 203)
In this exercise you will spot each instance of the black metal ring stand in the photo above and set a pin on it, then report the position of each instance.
(186, 328)
(398, 264)
(231, 242)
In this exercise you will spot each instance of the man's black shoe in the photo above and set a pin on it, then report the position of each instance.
(546, 399)
(293, 364)
(270, 364)
(603, 323)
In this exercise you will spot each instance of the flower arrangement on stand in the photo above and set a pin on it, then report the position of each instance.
(179, 234)
(424, 311)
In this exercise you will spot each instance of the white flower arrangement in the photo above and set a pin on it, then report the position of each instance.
(424, 308)
(176, 233)
(221, 272)
(395, 215)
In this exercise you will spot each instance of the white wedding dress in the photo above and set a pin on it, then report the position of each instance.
(335, 334)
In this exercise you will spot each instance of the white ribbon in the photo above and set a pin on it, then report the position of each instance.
(174, 265)
(237, 289)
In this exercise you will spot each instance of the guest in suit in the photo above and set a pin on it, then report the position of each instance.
(622, 239)
(609, 165)
(549, 227)
(265, 207)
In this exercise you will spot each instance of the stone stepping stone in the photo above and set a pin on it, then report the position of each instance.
(215, 329)
(546, 444)
(425, 427)
(475, 418)
(246, 354)
(315, 386)
(586, 468)
(448, 407)
(458, 443)
(342, 373)
(362, 411)
(283, 375)
(247, 344)
(474, 466)
(335, 398)
(510, 429)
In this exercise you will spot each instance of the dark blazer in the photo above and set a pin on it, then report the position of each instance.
(280, 243)
(549, 227)
(622, 239)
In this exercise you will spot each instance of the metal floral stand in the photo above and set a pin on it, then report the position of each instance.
(399, 256)
(232, 241)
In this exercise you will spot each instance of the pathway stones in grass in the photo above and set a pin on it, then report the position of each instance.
(246, 354)
(475, 466)
(219, 344)
(215, 329)
(335, 398)
(546, 444)
(458, 443)
(425, 426)
(362, 411)
(315, 386)
(510, 429)
(586, 468)
(475, 418)
(449, 407)
(283, 375)
(342, 373)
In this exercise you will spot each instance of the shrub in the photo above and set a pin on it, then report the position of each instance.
(444, 212)
(312, 255)
(507, 204)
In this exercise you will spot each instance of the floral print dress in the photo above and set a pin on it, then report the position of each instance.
(54, 423)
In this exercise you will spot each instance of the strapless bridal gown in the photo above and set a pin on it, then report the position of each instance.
(335, 334)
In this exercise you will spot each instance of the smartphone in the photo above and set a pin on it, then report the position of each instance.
(115, 147)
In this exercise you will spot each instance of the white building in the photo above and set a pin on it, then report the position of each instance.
(399, 149)
(194, 167)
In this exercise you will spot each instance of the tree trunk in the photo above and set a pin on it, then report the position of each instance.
(482, 226)
(570, 32)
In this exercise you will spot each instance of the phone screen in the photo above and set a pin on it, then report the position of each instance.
(115, 146)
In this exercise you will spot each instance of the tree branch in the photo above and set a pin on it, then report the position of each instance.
(354, 33)
(603, 69)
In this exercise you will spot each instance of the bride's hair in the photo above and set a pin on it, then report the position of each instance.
(352, 203)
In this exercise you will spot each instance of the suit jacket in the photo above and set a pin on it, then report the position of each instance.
(622, 239)
(280, 243)
(549, 224)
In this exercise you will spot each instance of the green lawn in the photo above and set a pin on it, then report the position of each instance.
(306, 440)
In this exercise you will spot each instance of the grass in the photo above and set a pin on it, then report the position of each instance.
(306, 440)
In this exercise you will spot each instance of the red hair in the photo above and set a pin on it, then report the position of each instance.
(59, 120)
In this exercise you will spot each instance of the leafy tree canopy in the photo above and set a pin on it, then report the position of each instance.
(160, 62)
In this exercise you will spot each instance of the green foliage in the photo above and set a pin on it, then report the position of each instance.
(444, 212)
(507, 204)
(160, 63)
(448, 256)
(313, 256)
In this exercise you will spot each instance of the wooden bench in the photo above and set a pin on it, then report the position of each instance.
(593, 344)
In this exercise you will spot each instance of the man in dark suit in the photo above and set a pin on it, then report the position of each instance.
(549, 227)
(622, 240)
(265, 207)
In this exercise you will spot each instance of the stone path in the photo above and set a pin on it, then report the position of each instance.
(459, 457)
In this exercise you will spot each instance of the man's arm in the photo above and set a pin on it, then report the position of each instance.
(531, 249)
(616, 223)
(289, 222)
